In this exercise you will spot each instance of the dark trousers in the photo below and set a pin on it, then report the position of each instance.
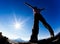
(35, 30)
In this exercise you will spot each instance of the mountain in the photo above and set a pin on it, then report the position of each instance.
(18, 40)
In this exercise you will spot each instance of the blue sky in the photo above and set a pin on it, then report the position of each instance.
(12, 11)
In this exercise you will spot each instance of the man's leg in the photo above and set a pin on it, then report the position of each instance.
(46, 25)
(49, 28)
(35, 30)
(34, 36)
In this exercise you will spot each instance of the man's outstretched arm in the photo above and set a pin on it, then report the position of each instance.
(29, 5)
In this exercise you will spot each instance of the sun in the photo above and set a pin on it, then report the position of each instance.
(17, 25)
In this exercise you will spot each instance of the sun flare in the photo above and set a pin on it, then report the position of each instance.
(17, 25)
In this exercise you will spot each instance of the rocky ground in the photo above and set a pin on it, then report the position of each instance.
(54, 40)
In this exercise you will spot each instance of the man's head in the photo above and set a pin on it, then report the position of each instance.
(36, 10)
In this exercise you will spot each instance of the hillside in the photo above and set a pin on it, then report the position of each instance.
(54, 40)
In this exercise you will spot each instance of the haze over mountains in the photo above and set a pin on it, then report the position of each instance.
(18, 40)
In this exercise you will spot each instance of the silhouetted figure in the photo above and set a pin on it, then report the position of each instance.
(38, 17)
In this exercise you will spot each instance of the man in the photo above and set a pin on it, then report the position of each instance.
(38, 17)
